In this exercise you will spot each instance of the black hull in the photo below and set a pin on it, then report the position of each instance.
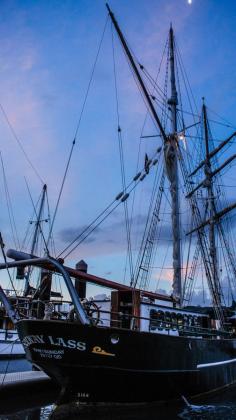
(140, 367)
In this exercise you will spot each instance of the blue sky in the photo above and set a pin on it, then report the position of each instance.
(47, 50)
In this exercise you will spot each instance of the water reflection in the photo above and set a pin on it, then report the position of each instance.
(201, 412)
(216, 412)
(222, 406)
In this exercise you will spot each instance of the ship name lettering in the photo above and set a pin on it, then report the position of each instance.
(71, 344)
(33, 339)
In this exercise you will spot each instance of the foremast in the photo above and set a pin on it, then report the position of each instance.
(217, 295)
(212, 221)
(210, 201)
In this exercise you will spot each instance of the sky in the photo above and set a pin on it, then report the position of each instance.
(47, 52)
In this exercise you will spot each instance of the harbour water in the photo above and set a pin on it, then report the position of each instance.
(43, 407)
(218, 407)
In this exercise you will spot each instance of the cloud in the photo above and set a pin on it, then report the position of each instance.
(110, 237)
(200, 298)
(69, 234)
(162, 291)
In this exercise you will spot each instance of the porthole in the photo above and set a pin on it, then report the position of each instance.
(115, 339)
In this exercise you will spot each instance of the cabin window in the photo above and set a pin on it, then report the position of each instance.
(180, 321)
(174, 321)
(167, 320)
(156, 320)
(196, 321)
(160, 319)
(186, 321)
(190, 322)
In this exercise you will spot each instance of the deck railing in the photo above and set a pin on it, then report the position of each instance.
(117, 319)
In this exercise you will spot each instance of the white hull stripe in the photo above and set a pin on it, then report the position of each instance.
(224, 362)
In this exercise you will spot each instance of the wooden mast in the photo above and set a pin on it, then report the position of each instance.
(172, 172)
(212, 211)
(35, 236)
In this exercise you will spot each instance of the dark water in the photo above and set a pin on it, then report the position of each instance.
(219, 407)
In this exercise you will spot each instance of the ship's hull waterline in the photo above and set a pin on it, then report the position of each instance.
(115, 365)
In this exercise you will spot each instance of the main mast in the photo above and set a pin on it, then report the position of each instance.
(171, 160)
(173, 101)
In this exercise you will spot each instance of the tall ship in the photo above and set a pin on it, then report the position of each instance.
(137, 345)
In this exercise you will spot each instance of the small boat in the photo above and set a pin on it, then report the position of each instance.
(25, 302)
(138, 345)
(12, 352)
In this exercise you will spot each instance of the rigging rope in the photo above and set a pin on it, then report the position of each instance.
(121, 152)
(204, 245)
(155, 191)
(9, 207)
(2, 245)
(76, 132)
(163, 95)
(121, 197)
(27, 232)
(35, 213)
(19, 143)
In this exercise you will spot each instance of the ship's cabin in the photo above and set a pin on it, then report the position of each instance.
(130, 310)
